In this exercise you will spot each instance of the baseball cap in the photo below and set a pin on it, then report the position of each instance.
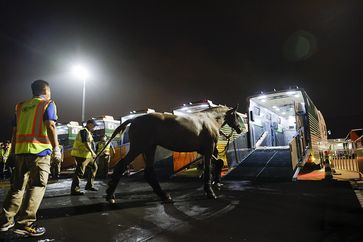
(91, 121)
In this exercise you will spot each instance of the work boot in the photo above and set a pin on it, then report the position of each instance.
(31, 230)
(6, 226)
(93, 189)
(77, 193)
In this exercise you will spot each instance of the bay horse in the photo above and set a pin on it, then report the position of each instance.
(184, 133)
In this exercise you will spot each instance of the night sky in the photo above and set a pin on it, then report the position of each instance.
(161, 54)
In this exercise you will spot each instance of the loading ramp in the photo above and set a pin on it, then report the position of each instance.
(264, 164)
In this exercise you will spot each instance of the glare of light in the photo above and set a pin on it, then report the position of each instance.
(204, 106)
(263, 100)
(275, 107)
(261, 97)
(296, 95)
(283, 113)
(80, 72)
(290, 93)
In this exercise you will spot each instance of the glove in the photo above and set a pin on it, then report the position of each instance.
(57, 154)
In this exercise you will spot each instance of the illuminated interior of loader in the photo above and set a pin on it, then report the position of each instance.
(273, 119)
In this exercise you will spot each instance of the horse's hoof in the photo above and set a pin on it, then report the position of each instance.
(111, 199)
(210, 194)
(218, 185)
(167, 199)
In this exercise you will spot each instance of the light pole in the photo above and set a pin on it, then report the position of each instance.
(81, 73)
(83, 98)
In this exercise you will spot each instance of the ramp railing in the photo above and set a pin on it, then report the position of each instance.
(299, 152)
(261, 139)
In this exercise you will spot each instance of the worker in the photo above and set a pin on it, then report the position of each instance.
(327, 167)
(8, 166)
(34, 142)
(2, 163)
(84, 155)
(217, 166)
(105, 157)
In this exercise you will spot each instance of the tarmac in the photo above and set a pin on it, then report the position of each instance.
(304, 210)
(354, 178)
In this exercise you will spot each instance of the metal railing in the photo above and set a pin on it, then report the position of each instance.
(347, 164)
(352, 162)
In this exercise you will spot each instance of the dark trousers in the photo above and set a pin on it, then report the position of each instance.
(2, 170)
(82, 164)
(103, 166)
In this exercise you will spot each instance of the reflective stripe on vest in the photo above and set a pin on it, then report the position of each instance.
(31, 133)
(79, 148)
(106, 151)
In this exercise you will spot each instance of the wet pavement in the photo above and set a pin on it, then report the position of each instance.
(244, 211)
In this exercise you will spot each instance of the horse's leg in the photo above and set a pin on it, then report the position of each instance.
(119, 169)
(150, 176)
(208, 176)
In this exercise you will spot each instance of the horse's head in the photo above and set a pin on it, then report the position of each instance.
(232, 119)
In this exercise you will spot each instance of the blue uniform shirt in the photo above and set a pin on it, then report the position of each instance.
(84, 138)
(49, 114)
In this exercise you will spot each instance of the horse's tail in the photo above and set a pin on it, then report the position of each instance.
(119, 129)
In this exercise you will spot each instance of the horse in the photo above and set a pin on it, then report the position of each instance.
(183, 133)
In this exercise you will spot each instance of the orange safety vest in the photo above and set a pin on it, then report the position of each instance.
(31, 133)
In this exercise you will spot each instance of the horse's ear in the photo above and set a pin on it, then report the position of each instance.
(235, 108)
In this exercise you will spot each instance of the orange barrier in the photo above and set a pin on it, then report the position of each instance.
(182, 159)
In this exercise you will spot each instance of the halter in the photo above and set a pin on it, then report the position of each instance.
(222, 133)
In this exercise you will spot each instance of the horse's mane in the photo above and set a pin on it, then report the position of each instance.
(214, 113)
(217, 109)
